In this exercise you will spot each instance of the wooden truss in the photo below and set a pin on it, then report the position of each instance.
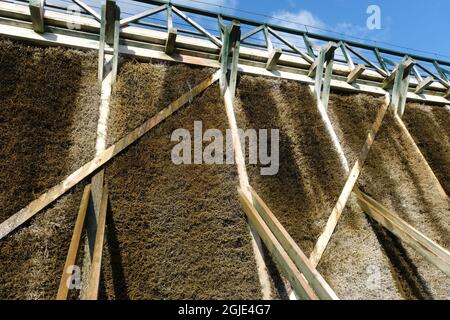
(231, 53)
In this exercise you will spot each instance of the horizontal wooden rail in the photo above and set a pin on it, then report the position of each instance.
(315, 280)
(101, 159)
(74, 245)
(288, 267)
(430, 250)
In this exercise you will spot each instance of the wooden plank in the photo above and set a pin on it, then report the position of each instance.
(430, 250)
(115, 60)
(57, 191)
(273, 59)
(37, 15)
(110, 27)
(94, 279)
(356, 73)
(74, 245)
(171, 41)
(296, 279)
(424, 84)
(315, 280)
(325, 237)
(101, 44)
(347, 55)
(141, 15)
(325, 95)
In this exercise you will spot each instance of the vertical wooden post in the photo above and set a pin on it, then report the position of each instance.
(37, 15)
(398, 82)
(226, 92)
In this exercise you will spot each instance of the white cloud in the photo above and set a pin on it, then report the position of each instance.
(295, 20)
(305, 20)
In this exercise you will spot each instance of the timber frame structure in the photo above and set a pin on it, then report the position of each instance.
(378, 71)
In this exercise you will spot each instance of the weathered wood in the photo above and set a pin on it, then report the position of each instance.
(424, 84)
(251, 32)
(111, 17)
(101, 44)
(74, 245)
(37, 15)
(315, 280)
(141, 15)
(171, 41)
(430, 250)
(288, 267)
(356, 73)
(115, 60)
(57, 191)
(325, 95)
(94, 279)
(325, 237)
(273, 59)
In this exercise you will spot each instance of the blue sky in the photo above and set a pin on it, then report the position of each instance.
(416, 24)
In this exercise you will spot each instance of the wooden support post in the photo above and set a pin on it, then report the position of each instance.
(235, 40)
(101, 49)
(288, 267)
(37, 15)
(315, 280)
(273, 59)
(424, 84)
(74, 246)
(399, 82)
(171, 41)
(381, 60)
(94, 279)
(100, 160)
(431, 251)
(325, 237)
(356, 73)
(111, 13)
(322, 83)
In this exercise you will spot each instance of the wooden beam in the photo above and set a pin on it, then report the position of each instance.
(288, 267)
(74, 247)
(102, 43)
(290, 45)
(57, 191)
(406, 65)
(431, 251)
(325, 237)
(37, 15)
(424, 84)
(88, 9)
(141, 15)
(252, 32)
(171, 41)
(273, 59)
(111, 16)
(94, 279)
(356, 73)
(213, 39)
(315, 280)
